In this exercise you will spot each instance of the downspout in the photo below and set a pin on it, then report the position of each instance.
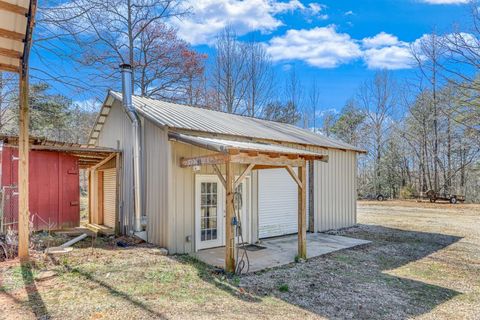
(126, 71)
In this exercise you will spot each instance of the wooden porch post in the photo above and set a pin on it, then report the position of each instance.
(229, 230)
(23, 122)
(311, 196)
(302, 213)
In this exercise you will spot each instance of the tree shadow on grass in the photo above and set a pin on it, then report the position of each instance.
(355, 282)
(112, 290)
(226, 282)
(35, 300)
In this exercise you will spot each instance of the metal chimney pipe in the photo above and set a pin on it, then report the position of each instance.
(126, 71)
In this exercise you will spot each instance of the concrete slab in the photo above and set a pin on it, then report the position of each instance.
(282, 250)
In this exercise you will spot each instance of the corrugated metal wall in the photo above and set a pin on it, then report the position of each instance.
(156, 162)
(181, 197)
(335, 191)
(117, 133)
(169, 189)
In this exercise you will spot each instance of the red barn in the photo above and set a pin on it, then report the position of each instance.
(54, 184)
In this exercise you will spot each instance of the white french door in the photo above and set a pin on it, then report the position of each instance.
(209, 212)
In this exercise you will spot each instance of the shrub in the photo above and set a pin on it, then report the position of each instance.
(407, 192)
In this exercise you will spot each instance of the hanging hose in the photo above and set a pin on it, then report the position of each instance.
(243, 260)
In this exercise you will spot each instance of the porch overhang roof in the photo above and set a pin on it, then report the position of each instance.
(16, 26)
(87, 156)
(245, 152)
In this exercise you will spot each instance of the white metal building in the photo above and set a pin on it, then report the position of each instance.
(183, 207)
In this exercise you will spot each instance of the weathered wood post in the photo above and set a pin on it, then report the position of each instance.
(311, 195)
(23, 123)
(229, 229)
(302, 213)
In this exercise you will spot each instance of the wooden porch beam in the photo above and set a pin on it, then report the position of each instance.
(101, 163)
(4, 33)
(10, 53)
(9, 68)
(229, 228)
(217, 158)
(302, 213)
(6, 6)
(266, 167)
(294, 176)
(262, 159)
(243, 175)
(220, 175)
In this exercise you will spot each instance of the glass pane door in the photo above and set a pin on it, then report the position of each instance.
(209, 211)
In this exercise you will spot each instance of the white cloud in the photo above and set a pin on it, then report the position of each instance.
(380, 40)
(282, 7)
(316, 10)
(391, 57)
(349, 13)
(324, 47)
(385, 51)
(446, 1)
(210, 17)
(321, 47)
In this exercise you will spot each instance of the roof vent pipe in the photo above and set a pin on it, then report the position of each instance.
(126, 70)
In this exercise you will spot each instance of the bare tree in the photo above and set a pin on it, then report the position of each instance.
(314, 101)
(260, 78)
(230, 77)
(428, 53)
(8, 97)
(462, 50)
(166, 67)
(294, 93)
(378, 98)
(328, 121)
(99, 35)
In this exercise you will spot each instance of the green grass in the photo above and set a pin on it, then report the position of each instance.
(283, 288)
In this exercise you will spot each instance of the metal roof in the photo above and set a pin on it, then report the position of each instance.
(15, 32)
(222, 145)
(87, 155)
(177, 116)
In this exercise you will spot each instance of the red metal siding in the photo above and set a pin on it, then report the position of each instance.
(54, 188)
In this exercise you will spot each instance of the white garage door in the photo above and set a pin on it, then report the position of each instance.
(277, 203)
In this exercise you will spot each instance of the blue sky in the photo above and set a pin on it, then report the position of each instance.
(339, 43)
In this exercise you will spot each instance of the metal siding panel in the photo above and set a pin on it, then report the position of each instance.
(335, 200)
(155, 183)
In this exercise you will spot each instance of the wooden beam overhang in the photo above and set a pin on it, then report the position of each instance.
(264, 159)
(6, 6)
(217, 158)
(260, 160)
(243, 175)
(9, 67)
(294, 176)
(220, 175)
(17, 36)
(10, 53)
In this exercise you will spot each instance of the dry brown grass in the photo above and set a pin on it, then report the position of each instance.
(423, 262)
